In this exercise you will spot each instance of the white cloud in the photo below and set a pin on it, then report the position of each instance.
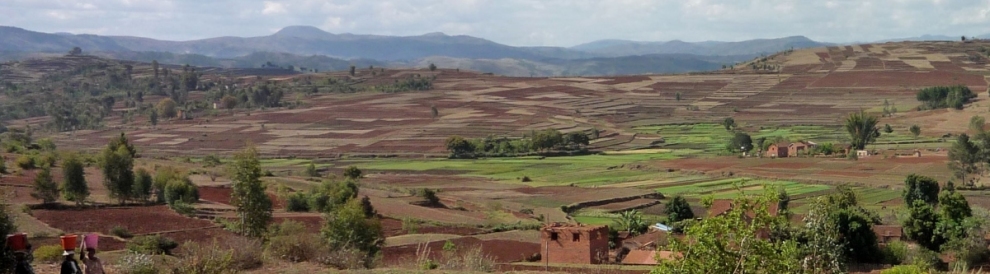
(273, 8)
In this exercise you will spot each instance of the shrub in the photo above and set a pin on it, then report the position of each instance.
(181, 191)
(183, 208)
(297, 202)
(196, 258)
(152, 245)
(430, 196)
(47, 159)
(25, 162)
(48, 254)
(134, 263)
(526, 179)
(352, 172)
(247, 252)
(121, 232)
(211, 160)
(3, 165)
(289, 241)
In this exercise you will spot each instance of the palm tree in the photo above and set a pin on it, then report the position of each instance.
(862, 129)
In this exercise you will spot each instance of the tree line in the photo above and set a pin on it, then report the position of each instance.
(945, 97)
(545, 141)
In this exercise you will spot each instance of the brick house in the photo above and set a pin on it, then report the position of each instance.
(574, 244)
(797, 148)
(888, 233)
(777, 150)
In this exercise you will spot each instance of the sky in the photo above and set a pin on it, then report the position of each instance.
(513, 22)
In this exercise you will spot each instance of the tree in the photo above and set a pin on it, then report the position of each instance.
(728, 243)
(887, 129)
(576, 140)
(458, 146)
(915, 130)
(741, 142)
(153, 117)
(434, 112)
(352, 173)
(632, 221)
(678, 209)
(228, 102)
(154, 67)
(824, 249)
(311, 170)
(7, 227)
(143, 185)
(677, 96)
(45, 188)
(253, 205)
(862, 129)
(74, 186)
(353, 70)
(854, 225)
(348, 228)
(920, 225)
(729, 123)
(976, 123)
(75, 51)
(920, 188)
(964, 159)
(117, 164)
(433, 67)
(167, 108)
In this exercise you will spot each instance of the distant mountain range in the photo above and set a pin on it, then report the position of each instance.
(310, 47)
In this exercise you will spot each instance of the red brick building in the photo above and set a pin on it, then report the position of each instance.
(574, 244)
(777, 151)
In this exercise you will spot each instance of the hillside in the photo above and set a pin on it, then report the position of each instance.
(312, 48)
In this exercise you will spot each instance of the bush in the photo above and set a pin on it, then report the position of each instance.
(526, 179)
(181, 191)
(3, 165)
(430, 196)
(121, 232)
(297, 202)
(289, 241)
(47, 159)
(48, 254)
(211, 160)
(924, 259)
(247, 252)
(25, 162)
(199, 258)
(152, 245)
(135, 263)
(183, 208)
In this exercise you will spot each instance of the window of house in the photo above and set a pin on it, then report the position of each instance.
(553, 236)
(577, 237)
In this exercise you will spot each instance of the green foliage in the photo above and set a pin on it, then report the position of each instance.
(965, 157)
(253, 205)
(289, 241)
(895, 252)
(25, 162)
(45, 188)
(330, 194)
(348, 228)
(727, 243)
(459, 147)
(143, 185)
(862, 129)
(976, 123)
(408, 84)
(311, 170)
(429, 196)
(920, 225)
(887, 129)
(152, 245)
(212, 160)
(117, 164)
(740, 142)
(181, 191)
(74, 186)
(729, 123)
(945, 97)
(297, 202)
(920, 188)
(433, 67)
(678, 209)
(48, 254)
(854, 225)
(120, 231)
(915, 130)
(352, 172)
(632, 221)
(7, 227)
(3, 165)
(167, 108)
(46, 144)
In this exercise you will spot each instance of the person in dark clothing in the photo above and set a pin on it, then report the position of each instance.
(23, 266)
(70, 265)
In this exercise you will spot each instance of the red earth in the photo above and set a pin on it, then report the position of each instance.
(222, 195)
(137, 220)
(501, 251)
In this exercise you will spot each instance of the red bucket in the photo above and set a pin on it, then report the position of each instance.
(17, 242)
(69, 242)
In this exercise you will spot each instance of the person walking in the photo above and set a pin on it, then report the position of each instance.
(69, 265)
(92, 263)
(23, 265)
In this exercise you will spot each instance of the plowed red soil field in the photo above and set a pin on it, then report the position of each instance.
(501, 251)
(137, 220)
